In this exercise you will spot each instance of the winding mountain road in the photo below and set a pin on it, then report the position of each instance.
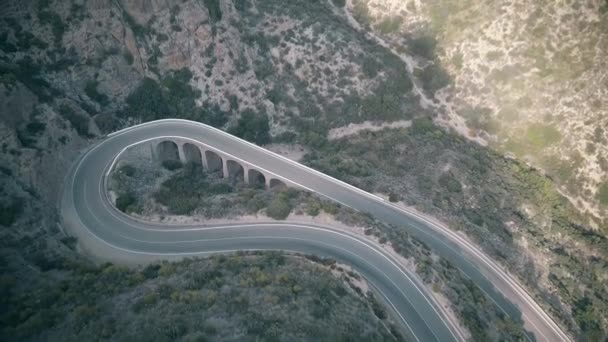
(107, 233)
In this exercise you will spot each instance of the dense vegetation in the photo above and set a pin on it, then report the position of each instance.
(252, 127)
(235, 297)
(10, 209)
(188, 190)
(173, 97)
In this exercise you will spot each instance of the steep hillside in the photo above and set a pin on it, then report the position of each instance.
(72, 71)
(280, 72)
(527, 77)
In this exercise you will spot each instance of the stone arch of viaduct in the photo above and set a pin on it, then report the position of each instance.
(214, 160)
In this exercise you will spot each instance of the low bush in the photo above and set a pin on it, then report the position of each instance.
(91, 90)
(423, 46)
(125, 202)
(253, 127)
(433, 78)
(10, 210)
(127, 169)
(279, 208)
(220, 188)
(215, 12)
(172, 164)
(78, 121)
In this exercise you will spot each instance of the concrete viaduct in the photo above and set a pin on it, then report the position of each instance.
(214, 160)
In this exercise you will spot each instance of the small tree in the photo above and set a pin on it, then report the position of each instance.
(279, 208)
(125, 202)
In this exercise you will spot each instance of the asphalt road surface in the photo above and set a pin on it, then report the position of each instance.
(106, 232)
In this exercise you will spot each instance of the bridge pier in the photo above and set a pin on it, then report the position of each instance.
(225, 172)
(180, 151)
(204, 159)
(216, 161)
(153, 152)
(246, 174)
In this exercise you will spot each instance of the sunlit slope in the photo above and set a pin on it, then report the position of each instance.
(529, 77)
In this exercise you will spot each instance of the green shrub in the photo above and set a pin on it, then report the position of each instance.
(127, 169)
(78, 121)
(28, 72)
(422, 126)
(10, 211)
(54, 20)
(586, 314)
(140, 31)
(125, 202)
(29, 134)
(70, 242)
(478, 117)
(172, 165)
(285, 137)
(279, 207)
(264, 69)
(25, 41)
(313, 208)
(385, 106)
(91, 90)
(253, 127)
(448, 181)
(106, 122)
(361, 12)
(146, 101)
(256, 203)
(220, 188)
(151, 271)
(329, 207)
(6, 170)
(215, 12)
(371, 67)
(541, 136)
(35, 127)
(389, 25)
(241, 5)
(433, 78)
(423, 46)
(147, 301)
(173, 97)
(376, 306)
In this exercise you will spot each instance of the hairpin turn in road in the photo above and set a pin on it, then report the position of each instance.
(105, 232)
